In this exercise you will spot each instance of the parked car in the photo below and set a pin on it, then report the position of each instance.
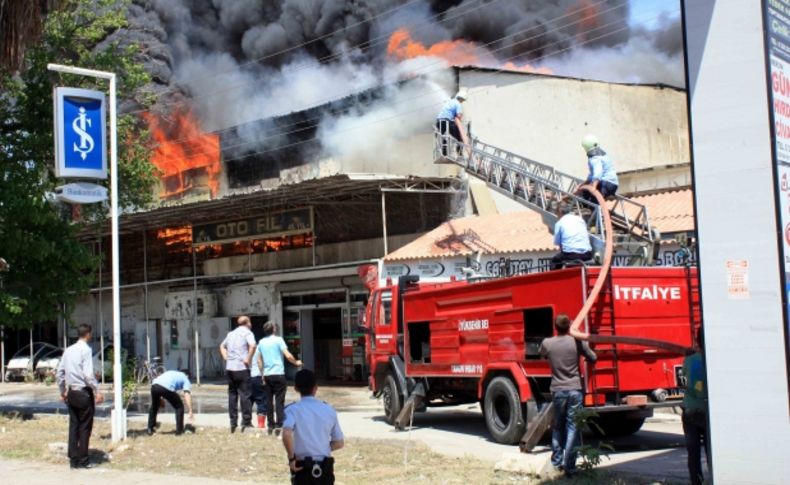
(21, 365)
(48, 363)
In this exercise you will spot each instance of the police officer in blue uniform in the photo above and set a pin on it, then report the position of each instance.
(311, 432)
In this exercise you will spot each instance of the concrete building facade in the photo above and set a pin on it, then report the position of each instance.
(191, 265)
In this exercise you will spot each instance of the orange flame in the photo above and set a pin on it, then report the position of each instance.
(187, 157)
(402, 46)
(585, 15)
(176, 236)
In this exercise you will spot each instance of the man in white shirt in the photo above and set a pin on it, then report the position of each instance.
(571, 235)
(80, 391)
(271, 351)
(237, 350)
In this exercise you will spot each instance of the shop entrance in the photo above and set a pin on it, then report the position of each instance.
(327, 344)
(316, 337)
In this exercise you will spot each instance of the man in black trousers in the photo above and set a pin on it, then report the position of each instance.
(237, 350)
(80, 391)
(165, 388)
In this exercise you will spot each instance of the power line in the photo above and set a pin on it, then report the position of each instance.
(282, 147)
(363, 45)
(443, 62)
(308, 42)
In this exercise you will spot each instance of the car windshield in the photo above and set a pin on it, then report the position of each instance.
(38, 347)
(52, 353)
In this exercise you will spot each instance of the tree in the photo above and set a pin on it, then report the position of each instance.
(48, 264)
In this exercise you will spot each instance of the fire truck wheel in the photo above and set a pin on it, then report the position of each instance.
(393, 402)
(504, 413)
(614, 424)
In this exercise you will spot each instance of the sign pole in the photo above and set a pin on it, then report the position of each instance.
(118, 415)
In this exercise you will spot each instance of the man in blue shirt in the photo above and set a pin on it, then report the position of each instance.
(601, 170)
(165, 388)
(571, 235)
(311, 433)
(450, 119)
(271, 351)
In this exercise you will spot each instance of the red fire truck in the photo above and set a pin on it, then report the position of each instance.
(440, 344)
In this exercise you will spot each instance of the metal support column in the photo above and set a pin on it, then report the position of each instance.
(194, 316)
(145, 299)
(101, 316)
(384, 221)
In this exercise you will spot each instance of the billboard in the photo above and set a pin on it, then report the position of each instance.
(777, 31)
(80, 133)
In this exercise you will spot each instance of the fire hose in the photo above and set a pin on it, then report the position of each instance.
(575, 329)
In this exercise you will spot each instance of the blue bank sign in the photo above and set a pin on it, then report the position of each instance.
(80, 134)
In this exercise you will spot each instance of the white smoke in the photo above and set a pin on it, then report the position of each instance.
(636, 61)
(224, 94)
(406, 109)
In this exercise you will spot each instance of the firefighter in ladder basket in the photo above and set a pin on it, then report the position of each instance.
(601, 171)
(450, 119)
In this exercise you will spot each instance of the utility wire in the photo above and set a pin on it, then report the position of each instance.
(361, 125)
(363, 45)
(443, 63)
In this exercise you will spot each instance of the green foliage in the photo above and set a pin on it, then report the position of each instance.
(128, 377)
(49, 266)
(591, 455)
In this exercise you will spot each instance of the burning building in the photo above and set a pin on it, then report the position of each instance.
(284, 173)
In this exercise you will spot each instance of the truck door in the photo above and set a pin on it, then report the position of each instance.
(382, 334)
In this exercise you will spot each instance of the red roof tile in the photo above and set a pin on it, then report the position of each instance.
(525, 231)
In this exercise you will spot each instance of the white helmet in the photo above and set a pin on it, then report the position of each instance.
(589, 142)
(462, 94)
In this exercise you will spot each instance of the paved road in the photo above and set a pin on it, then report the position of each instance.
(656, 451)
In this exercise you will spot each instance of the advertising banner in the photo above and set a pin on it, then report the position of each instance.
(777, 29)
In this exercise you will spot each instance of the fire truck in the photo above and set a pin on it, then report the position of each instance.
(442, 344)
(477, 341)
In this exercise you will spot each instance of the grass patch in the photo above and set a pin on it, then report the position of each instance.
(254, 456)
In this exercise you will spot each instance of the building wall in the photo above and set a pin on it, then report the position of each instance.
(545, 118)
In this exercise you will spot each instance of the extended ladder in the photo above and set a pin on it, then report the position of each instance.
(541, 187)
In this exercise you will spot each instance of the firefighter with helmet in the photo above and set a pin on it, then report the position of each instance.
(450, 118)
(601, 170)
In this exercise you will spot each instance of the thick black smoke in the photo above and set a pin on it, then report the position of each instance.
(237, 61)
(261, 37)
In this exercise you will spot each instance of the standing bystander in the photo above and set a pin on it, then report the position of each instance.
(563, 352)
(695, 412)
(237, 350)
(311, 433)
(80, 391)
(257, 393)
(271, 351)
(166, 387)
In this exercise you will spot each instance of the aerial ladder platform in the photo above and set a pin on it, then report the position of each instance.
(542, 187)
